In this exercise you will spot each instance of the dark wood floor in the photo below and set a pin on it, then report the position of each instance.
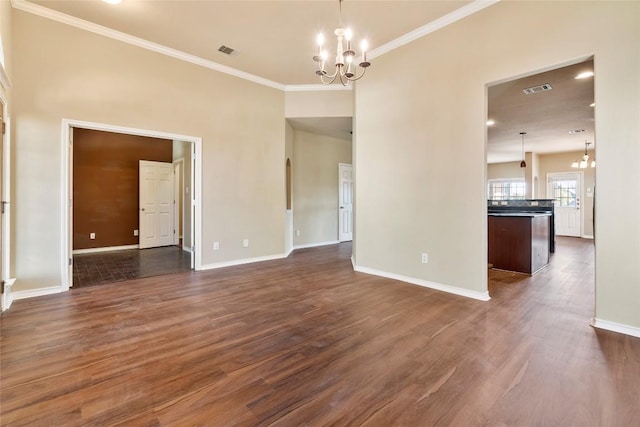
(116, 266)
(307, 341)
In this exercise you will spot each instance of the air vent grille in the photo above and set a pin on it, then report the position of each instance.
(535, 89)
(226, 50)
(574, 131)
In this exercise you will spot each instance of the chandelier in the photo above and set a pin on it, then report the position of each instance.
(582, 164)
(345, 69)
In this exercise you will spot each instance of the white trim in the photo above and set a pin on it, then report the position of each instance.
(186, 249)
(7, 297)
(196, 172)
(4, 78)
(104, 249)
(432, 26)
(31, 293)
(482, 296)
(587, 236)
(615, 327)
(314, 245)
(63, 18)
(316, 88)
(241, 261)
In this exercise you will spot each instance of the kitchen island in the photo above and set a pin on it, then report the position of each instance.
(519, 241)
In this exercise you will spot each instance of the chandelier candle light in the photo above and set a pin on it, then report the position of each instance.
(345, 69)
(582, 164)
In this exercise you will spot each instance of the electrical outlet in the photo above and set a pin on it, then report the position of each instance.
(297, 233)
(92, 236)
(216, 246)
(425, 258)
(245, 243)
(136, 232)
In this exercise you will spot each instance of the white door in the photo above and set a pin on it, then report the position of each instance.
(566, 189)
(345, 203)
(156, 204)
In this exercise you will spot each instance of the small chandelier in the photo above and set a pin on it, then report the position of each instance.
(582, 164)
(523, 164)
(345, 69)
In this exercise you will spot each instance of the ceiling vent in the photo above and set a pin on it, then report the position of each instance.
(226, 50)
(574, 131)
(535, 89)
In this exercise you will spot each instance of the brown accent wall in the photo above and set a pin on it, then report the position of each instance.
(105, 185)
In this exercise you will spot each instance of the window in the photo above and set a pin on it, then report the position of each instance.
(505, 189)
(565, 193)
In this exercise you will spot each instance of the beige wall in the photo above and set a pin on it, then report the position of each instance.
(7, 193)
(420, 142)
(63, 72)
(504, 170)
(315, 186)
(334, 103)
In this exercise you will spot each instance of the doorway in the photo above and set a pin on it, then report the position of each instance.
(194, 144)
(566, 190)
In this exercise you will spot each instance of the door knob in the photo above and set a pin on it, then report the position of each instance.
(142, 209)
(341, 207)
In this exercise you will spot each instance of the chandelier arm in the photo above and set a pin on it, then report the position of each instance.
(353, 79)
(331, 79)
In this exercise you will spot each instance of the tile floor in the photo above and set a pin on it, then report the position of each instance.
(108, 267)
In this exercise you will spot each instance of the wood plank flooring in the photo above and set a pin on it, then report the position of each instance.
(308, 341)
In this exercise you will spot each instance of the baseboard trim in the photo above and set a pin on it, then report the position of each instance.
(104, 249)
(289, 252)
(241, 261)
(315, 245)
(187, 249)
(587, 236)
(482, 296)
(615, 327)
(31, 293)
(7, 297)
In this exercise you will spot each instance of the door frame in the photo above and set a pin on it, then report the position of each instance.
(580, 175)
(66, 237)
(178, 198)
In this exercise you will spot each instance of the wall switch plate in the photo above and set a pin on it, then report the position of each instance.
(425, 258)
(297, 233)
(92, 236)
(216, 246)
(135, 232)
(245, 243)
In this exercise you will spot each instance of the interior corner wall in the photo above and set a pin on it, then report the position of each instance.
(6, 14)
(106, 185)
(61, 71)
(420, 167)
(315, 186)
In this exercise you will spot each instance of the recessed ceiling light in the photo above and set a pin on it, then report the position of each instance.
(491, 122)
(593, 104)
(112, 1)
(584, 75)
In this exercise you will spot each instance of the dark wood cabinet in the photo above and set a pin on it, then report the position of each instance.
(519, 241)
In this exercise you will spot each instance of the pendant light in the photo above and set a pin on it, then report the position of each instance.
(523, 164)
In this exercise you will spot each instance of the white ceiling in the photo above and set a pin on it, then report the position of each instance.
(275, 40)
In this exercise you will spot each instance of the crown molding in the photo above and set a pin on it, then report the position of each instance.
(316, 88)
(63, 18)
(432, 26)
